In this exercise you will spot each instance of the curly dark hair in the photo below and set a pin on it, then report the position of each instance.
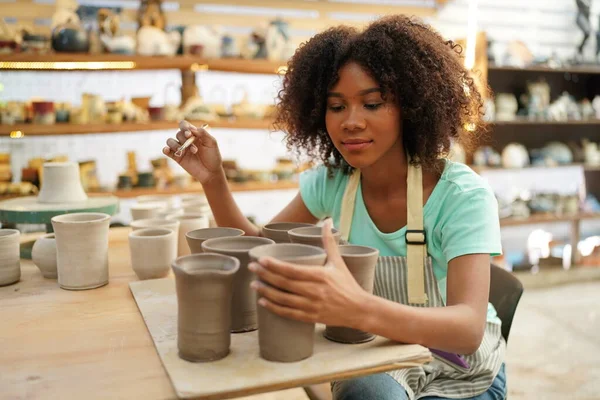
(415, 67)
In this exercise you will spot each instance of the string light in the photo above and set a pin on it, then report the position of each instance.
(16, 134)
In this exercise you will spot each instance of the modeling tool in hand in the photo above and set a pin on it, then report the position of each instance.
(189, 141)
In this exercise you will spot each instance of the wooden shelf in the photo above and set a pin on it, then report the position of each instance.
(481, 168)
(523, 121)
(197, 188)
(112, 62)
(82, 129)
(547, 218)
(574, 69)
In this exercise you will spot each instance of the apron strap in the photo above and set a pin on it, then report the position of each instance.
(416, 241)
(348, 201)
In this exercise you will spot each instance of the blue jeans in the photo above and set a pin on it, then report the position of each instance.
(384, 387)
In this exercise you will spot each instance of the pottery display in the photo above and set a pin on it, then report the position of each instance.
(515, 155)
(197, 237)
(43, 255)
(203, 41)
(361, 262)
(10, 262)
(81, 250)
(204, 286)
(506, 107)
(187, 223)
(152, 198)
(152, 41)
(243, 306)
(147, 210)
(61, 183)
(278, 231)
(311, 235)
(153, 250)
(158, 223)
(282, 339)
(70, 38)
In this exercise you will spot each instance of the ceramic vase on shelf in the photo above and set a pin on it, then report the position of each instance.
(61, 183)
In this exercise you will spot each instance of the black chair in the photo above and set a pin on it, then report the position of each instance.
(505, 293)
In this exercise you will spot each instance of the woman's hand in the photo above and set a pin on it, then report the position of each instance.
(328, 295)
(202, 160)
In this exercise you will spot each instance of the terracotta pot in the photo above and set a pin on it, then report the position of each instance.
(204, 285)
(243, 306)
(281, 339)
(147, 210)
(311, 235)
(187, 223)
(197, 237)
(61, 183)
(81, 250)
(278, 231)
(43, 255)
(10, 263)
(153, 250)
(361, 261)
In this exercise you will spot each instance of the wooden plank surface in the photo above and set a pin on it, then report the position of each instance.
(59, 344)
(243, 372)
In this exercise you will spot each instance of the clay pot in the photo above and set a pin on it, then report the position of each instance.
(147, 210)
(197, 237)
(151, 198)
(81, 250)
(361, 262)
(311, 235)
(243, 306)
(43, 255)
(281, 339)
(278, 231)
(10, 263)
(193, 198)
(187, 223)
(153, 250)
(204, 285)
(61, 183)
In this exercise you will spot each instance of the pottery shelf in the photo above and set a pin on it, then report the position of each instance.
(527, 122)
(547, 218)
(82, 129)
(480, 168)
(574, 69)
(113, 62)
(195, 188)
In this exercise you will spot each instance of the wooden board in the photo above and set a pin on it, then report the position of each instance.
(243, 372)
(92, 344)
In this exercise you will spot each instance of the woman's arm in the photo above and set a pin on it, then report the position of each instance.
(457, 328)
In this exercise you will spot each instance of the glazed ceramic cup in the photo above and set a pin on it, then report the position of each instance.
(278, 231)
(312, 235)
(204, 285)
(158, 223)
(243, 306)
(187, 223)
(282, 339)
(197, 237)
(147, 210)
(361, 262)
(10, 262)
(81, 250)
(43, 255)
(153, 250)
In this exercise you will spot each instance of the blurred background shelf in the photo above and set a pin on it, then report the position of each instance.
(547, 218)
(80, 129)
(481, 168)
(571, 69)
(527, 122)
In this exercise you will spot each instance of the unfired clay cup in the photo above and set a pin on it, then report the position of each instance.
(81, 250)
(282, 339)
(158, 223)
(187, 223)
(197, 237)
(43, 255)
(161, 198)
(243, 307)
(204, 285)
(153, 250)
(361, 262)
(10, 262)
(312, 235)
(147, 210)
(278, 231)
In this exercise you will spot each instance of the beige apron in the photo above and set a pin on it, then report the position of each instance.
(410, 280)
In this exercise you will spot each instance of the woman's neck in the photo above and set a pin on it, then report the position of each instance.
(387, 175)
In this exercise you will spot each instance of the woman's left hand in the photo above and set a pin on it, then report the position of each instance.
(328, 295)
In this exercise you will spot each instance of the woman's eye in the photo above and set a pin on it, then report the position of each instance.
(336, 108)
(373, 106)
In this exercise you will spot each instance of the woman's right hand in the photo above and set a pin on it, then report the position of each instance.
(202, 160)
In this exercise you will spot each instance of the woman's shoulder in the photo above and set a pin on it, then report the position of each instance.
(460, 178)
(323, 177)
(320, 188)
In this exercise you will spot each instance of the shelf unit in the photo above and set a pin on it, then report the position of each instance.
(480, 168)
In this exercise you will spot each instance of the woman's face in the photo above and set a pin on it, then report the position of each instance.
(361, 125)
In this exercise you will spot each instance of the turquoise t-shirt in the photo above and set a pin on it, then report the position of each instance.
(460, 217)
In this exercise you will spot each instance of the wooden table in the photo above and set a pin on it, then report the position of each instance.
(88, 344)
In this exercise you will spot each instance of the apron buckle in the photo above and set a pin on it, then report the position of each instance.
(418, 237)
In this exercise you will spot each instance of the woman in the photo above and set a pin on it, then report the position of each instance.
(380, 109)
